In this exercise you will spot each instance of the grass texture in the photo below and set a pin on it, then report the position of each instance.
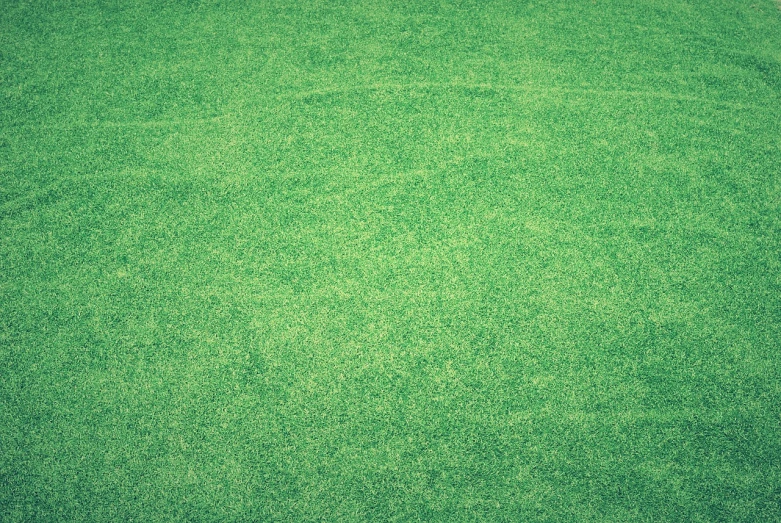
(390, 261)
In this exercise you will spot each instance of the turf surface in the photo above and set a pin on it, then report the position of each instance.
(398, 261)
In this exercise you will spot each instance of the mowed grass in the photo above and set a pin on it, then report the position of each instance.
(390, 261)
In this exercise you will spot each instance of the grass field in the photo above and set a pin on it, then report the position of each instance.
(390, 261)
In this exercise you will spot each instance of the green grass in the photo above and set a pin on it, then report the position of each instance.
(390, 261)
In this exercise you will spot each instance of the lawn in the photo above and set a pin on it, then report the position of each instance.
(390, 261)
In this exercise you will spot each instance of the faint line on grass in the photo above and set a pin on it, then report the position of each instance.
(298, 95)
(67, 126)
